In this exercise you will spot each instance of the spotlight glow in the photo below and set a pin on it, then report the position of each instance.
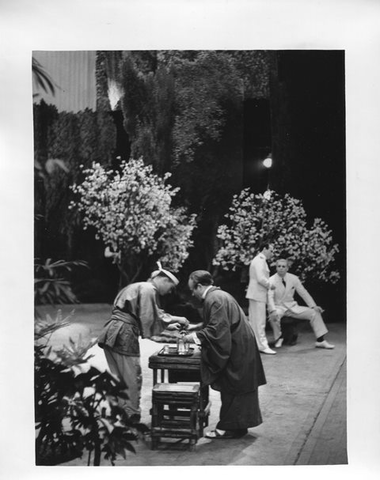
(267, 162)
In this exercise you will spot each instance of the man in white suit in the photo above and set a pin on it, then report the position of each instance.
(257, 294)
(281, 303)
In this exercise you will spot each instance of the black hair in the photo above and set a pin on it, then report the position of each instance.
(202, 277)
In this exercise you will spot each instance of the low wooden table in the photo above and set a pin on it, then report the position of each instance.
(181, 369)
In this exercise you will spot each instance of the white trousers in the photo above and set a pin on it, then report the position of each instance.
(313, 316)
(257, 316)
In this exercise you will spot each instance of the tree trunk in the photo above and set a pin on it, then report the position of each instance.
(97, 454)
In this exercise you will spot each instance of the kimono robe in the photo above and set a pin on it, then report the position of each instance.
(230, 360)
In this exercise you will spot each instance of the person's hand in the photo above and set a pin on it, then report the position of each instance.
(274, 316)
(272, 287)
(183, 321)
(319, 309)
(174, 326)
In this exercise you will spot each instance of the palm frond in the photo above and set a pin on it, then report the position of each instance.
(42, 78)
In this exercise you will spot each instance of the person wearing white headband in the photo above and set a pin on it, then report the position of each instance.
(164, 273)
(136, 313)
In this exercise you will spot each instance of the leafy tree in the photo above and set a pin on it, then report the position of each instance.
(132, 214)
(257, 218)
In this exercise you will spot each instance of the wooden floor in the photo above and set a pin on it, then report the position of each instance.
(327, 442)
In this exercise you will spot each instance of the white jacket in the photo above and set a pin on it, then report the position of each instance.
(258, 279)
(284, 296)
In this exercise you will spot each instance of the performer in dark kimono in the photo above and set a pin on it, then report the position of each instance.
(230, 359)
(136, 313)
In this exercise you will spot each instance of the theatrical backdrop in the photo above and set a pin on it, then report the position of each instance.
(210, 119)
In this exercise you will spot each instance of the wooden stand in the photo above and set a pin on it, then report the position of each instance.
(179, 409)
(175, 412)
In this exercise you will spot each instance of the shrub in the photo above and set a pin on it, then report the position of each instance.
(50, 283)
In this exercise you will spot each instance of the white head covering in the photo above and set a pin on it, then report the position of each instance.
(165, 272)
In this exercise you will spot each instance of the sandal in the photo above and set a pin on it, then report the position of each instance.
(216, 435)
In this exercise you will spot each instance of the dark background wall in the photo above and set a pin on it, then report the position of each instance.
(303, 126)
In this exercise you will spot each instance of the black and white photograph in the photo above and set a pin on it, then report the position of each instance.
(187, 218)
